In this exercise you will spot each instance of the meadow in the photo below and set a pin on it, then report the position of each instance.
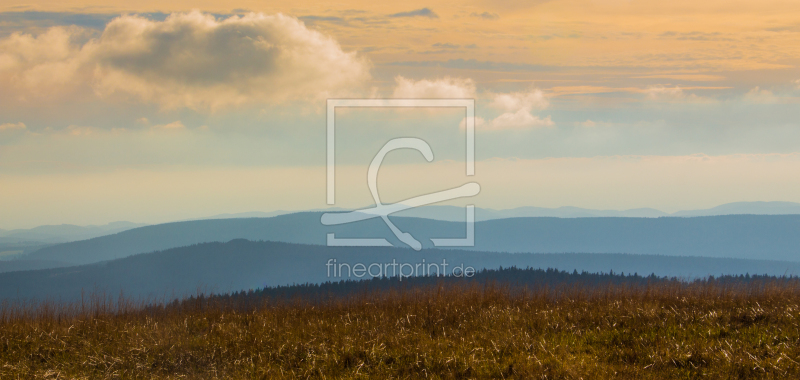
(601, 327)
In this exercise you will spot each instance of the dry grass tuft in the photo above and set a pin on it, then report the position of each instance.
(668, 330)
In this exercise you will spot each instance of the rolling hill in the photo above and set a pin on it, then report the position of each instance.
(768, 237)
(241, 264)
(63, 232)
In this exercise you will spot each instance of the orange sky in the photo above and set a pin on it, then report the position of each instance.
(691, 40)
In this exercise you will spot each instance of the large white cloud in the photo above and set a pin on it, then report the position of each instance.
(191, 60)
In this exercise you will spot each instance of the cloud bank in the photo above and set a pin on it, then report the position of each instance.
(189, 60)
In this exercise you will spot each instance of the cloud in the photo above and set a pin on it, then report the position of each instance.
(757, 95)
(684, 77)
(10, 132)
(673, 94)
(517, 105)
(195, 61)
(485, 15)
(446, 45)
(518, 108)
(661, 92)
(44, 63)
(589, 123)
(796, 83)
(695, 36)
(530, 100)
(517, 112)
(12, 126)
(521, 119)
(445, 88)
(174, 126)
(84, 131)
(312, 19)
(424, 12)
(190, 60)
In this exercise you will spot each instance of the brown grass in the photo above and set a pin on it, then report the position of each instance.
(657, 331)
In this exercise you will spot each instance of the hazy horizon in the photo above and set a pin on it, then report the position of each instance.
(432, 214)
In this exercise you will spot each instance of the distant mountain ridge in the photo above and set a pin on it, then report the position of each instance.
(742, 235)
(50, 234)
(69, 232)
(454, 213)
(769, 237)
(241, 265)
(746, 208)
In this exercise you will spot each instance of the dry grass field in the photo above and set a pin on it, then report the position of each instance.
(446, 330)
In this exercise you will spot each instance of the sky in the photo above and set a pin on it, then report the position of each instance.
(161, 111)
